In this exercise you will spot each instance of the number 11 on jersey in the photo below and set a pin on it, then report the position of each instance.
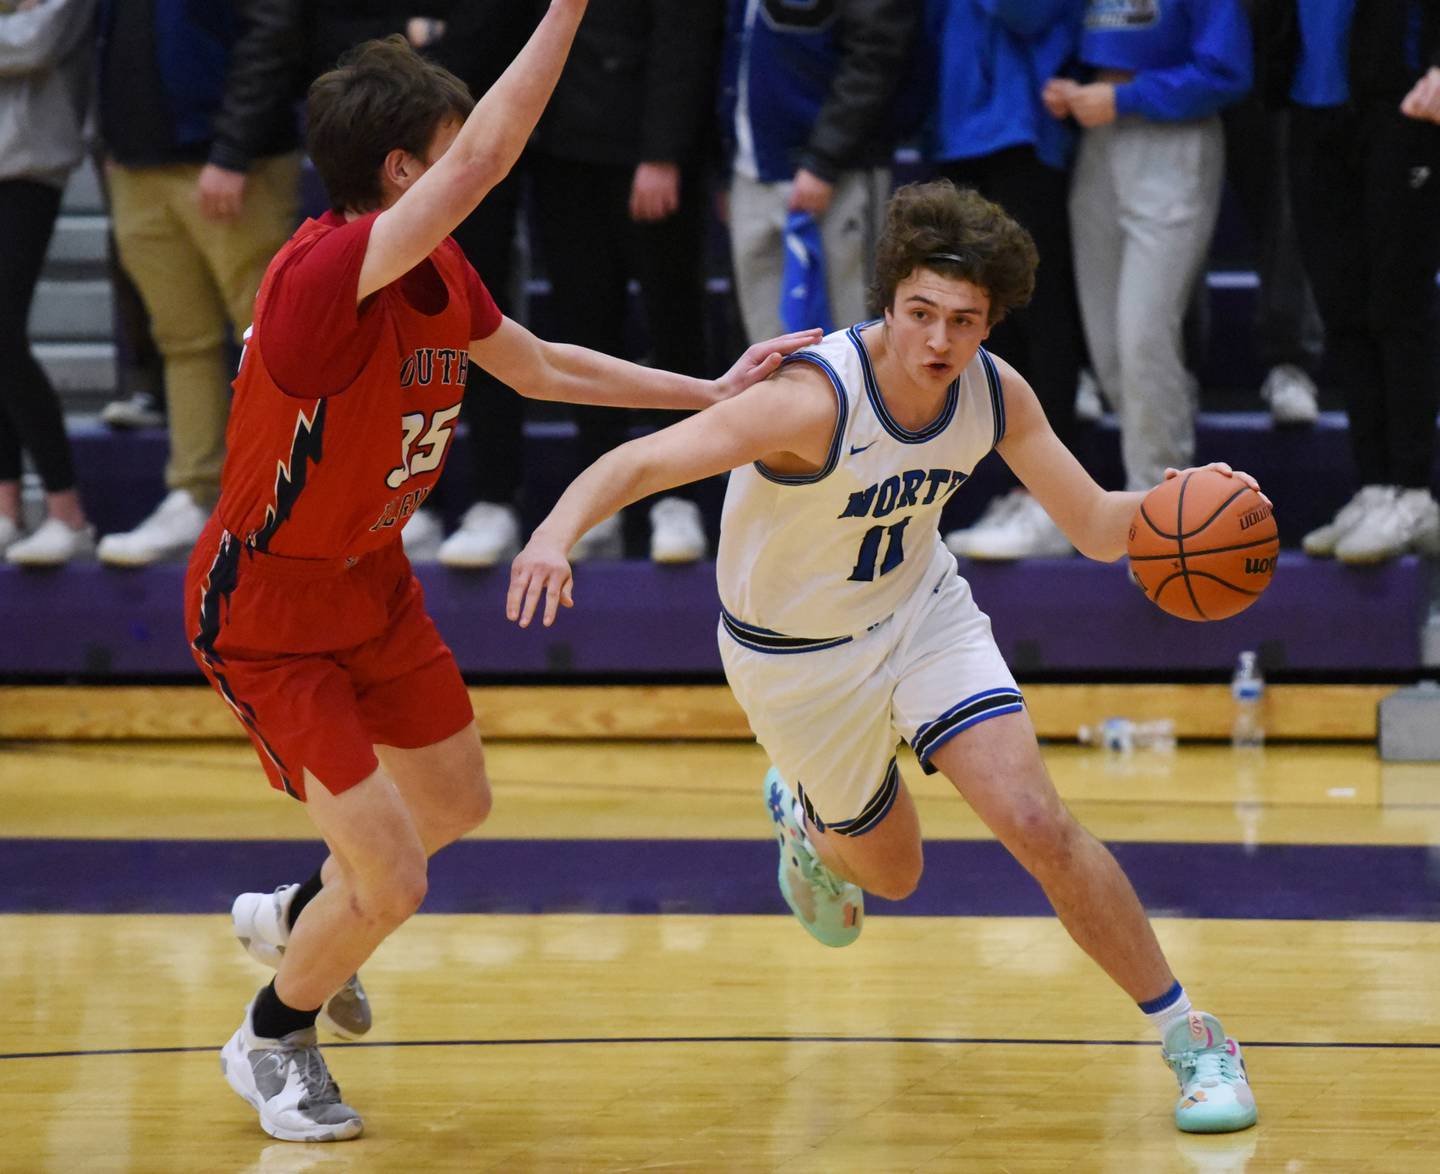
(864, 571)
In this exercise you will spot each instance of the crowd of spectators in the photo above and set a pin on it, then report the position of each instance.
(1106, 127)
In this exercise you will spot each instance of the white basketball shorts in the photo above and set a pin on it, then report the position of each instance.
(830, 712)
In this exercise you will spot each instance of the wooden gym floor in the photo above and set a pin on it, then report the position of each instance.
(609, 983)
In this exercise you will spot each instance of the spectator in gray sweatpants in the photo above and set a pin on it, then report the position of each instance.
(1144, 199)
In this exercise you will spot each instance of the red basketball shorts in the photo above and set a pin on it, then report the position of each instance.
(321, 659)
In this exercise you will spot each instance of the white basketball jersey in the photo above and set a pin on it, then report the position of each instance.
(831, 553)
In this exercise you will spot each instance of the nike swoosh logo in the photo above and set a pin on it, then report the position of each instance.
(861, 448)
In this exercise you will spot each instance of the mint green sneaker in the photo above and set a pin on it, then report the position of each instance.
(832, 910)
(1215, 1094)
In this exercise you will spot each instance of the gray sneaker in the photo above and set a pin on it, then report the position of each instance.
(1410, 522)
(288, 1083)
(262, 925)
(1321, 542)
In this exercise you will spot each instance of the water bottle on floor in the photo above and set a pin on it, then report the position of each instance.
(1247, 689)
(1123, 735)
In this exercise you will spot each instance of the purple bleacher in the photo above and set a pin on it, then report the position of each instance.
(1304, 470)
(632, 618)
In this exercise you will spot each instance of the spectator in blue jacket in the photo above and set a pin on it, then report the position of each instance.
(197, 110)
(1144, 200)
(1362, 80)
(810, 102)
(991, 132)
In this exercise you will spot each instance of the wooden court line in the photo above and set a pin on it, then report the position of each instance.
(61, 712)
(962, 1041)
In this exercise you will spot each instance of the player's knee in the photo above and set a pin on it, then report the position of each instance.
(1042, 836)
(899, 881)
(471, 802)
(392, 898)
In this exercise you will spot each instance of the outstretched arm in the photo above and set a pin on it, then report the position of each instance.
(576, 375)
(482, 155)
(1096, 521)
(788, 422)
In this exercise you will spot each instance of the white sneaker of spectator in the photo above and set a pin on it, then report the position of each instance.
(1410, 522)
(1371, 499)
(1291, 394)
(489, 533)
(607, 540)
(169, 532)
(1026, 531)
(677, 531)
(139, 409)
(422, 536)
(995, 513)
(53, 544)
(1089, 403)
(9, 533)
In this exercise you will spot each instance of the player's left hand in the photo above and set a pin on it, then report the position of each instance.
(1222, 467)
(654, 192)
(761, 361)
(540, 571)
(220, 192)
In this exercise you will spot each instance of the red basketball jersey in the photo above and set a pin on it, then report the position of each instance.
(343, 415)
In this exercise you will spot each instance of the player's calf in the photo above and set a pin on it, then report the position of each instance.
(262, 925)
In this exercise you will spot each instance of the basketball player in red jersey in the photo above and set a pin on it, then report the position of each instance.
(300, 605)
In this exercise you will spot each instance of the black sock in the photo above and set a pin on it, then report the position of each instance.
(272, 1019)
(303, 897)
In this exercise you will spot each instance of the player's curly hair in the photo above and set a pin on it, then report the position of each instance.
(956, 233)
(382, 95)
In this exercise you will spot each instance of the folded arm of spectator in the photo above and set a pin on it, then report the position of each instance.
(876, 37)
(37, 36)
(1221, 71)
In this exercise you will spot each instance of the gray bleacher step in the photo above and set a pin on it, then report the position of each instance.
(72, 310)
(78, 366)
(83, 192)
(80, 239)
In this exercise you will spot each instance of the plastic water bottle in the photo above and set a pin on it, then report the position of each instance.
(1123, 735)
(1247, 688)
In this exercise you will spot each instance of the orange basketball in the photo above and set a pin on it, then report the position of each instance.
(1203, 546)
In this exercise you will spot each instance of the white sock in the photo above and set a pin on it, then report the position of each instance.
(1168, 1009)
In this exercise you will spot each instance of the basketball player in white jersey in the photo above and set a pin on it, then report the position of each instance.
(846, 627)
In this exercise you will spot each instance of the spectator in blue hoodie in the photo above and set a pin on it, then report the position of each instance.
(1362, 81)
(991, 132)
(197, 110)
(1144, 200)
(809, 101)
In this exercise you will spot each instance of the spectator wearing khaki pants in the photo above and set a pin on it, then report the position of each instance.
(198, 119)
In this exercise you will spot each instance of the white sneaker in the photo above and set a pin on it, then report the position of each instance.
(1089, 403)
(996, 511)
(9, 533)
(140, 409)
(288, 1083)
(488, 534)
(1321, 542)
(607, 540)
(1410, 522)
(677, 532)
(52, 545)
(422, 536)
(1291, 394)
(170, 531)
(262, 924)
(1027, 531)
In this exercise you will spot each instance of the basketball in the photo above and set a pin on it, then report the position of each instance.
(1203, 546)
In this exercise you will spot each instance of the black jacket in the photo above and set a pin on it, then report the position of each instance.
(639, 85)
(1392, 43)
(199, 80)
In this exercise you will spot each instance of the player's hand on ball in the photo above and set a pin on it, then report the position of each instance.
(761, 361)
(540, 571)
(1224, 469)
